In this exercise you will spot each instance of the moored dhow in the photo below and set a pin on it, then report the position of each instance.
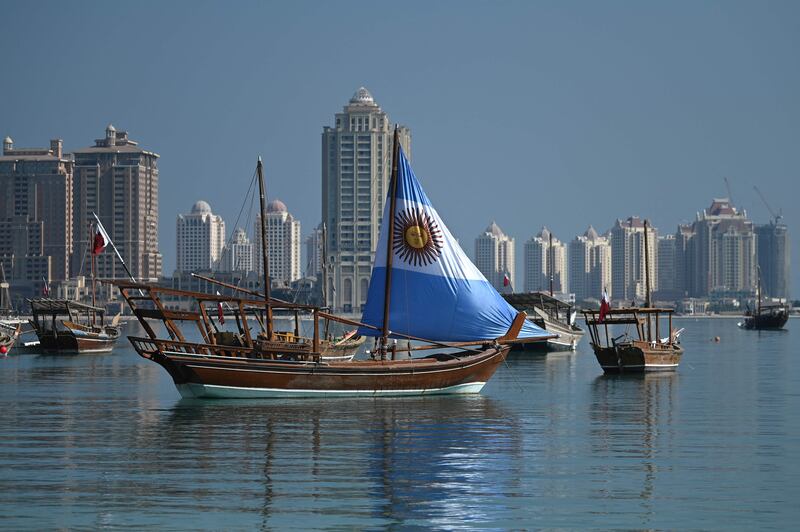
(640, 351)
(70, 327)
(646, 350)
(441, 299)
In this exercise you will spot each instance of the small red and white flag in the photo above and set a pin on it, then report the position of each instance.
(506, 280)
(605, 306)
(101, 240)
(220, 313)
(45, 288)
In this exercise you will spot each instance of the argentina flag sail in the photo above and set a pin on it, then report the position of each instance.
(436, 292)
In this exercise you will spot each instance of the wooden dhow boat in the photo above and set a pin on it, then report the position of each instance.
(770, 316)
(552, 315)
(439, 294)
(633, 352)
(70, 327)
(645, 350)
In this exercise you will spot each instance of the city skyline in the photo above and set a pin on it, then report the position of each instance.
(551, 104)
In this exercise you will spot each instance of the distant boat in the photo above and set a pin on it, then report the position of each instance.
(435, 293)
(8, 335)
(552, 315)
(69, 327)
(640, 350)
(771, 316)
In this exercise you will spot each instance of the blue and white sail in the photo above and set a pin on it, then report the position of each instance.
(437, 293)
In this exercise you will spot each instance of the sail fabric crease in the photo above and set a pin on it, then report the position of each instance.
(437, 293)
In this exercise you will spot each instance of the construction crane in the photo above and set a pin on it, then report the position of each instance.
(728, 186)
(775, 217)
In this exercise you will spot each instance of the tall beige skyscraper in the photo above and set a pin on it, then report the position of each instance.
(200, 239)
(628, 261)
(724, 251)
(238, 254)
(283, 239)
(36, 188)
(356, 167)
(118, 180)
(537, 263)
(589, 265)
(494, 257)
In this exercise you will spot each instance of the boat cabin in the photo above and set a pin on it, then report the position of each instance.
(646, 321)
(535, 303)
(49, 314)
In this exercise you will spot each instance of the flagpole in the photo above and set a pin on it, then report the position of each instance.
(94, 258)
(389, 244)
(100, 225)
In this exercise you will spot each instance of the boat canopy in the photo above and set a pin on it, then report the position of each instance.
(436, 292)
(532, 300)
(61, 306)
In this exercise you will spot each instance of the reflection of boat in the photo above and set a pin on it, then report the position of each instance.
(769, 316)
(552, 315)
(644, 351)
(456, 308)
(78, 333)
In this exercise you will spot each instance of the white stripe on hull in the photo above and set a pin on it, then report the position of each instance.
(648, 367)
(212, 391)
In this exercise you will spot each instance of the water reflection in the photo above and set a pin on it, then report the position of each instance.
(631, 419)
(437, 460)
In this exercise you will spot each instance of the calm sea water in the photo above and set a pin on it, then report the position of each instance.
(104, 441)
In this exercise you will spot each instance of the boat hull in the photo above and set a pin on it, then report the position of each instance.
(772, 321)
(638, 357)
(568, 338)
(210, 391)
(205, 375)
(68, 344)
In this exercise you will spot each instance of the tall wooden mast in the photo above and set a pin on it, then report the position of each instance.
(646, 268)
(390, 243)
(324, 265)
(264, 243)
(550, 263)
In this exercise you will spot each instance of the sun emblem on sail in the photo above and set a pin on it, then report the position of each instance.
(417, 237)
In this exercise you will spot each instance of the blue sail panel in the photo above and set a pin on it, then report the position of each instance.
(437, 293)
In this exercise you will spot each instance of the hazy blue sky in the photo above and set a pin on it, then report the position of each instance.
(529, 113)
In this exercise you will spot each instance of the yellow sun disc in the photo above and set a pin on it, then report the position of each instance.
(416, 237)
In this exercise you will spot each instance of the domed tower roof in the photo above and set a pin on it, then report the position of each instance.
(362, 97)
(110, 127)
(201, 207)
(8, 140)
(276, 205)
(544, 234)
(591, 234)
(494, 229)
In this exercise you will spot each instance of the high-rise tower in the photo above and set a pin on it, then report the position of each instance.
(538, 258)
(356, 167)
(36, 187)
(628, 262)
(494, 257)
(118, 180)
(589, 265)
(200, 239)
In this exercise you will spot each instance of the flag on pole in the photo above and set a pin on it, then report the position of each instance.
(220, 312)
(101, 239)
(506, 280)
(605, 306)
(45, 288)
